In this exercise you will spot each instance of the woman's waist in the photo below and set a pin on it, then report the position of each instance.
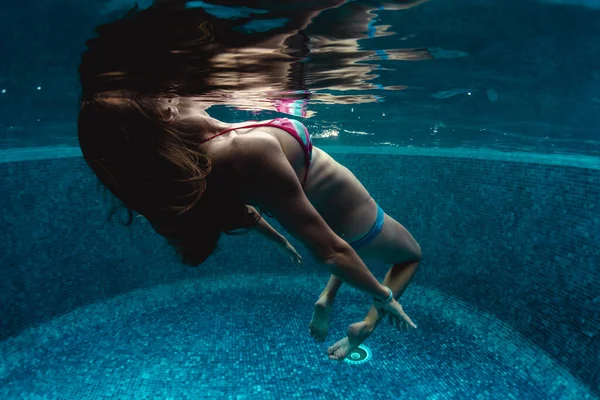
(350, 223)
(339, 197)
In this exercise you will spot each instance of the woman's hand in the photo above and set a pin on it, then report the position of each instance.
(396, 314)
(287, 250)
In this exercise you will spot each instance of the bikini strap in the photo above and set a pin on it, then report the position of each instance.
(239, 127)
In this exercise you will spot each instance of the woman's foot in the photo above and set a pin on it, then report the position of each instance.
(319, 325)
(357, 333)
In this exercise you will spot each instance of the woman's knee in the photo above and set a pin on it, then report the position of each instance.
(413, 252)
(407, 255)
(418, 253)
(406, 248)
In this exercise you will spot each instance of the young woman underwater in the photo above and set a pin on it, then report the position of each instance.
(194, 176)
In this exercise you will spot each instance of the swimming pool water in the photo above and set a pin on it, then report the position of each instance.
(506, 299)
(489, 155)
(188, 341)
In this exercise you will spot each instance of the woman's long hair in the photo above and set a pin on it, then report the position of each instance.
(129, 73)
(157, 171)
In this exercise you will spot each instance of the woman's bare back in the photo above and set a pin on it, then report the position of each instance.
(338, 196)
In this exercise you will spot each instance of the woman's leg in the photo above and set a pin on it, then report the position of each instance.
(393, 245)
(397, 279)
(319, 324)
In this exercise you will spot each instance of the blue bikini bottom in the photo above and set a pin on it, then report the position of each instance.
(375, 229)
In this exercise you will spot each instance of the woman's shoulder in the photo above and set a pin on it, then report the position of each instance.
(250, 150)
(243, 154)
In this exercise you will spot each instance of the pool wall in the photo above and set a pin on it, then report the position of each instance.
(518, 238)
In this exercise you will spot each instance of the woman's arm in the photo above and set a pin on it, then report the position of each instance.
(268, 180)
(283, 246)
(266, 230)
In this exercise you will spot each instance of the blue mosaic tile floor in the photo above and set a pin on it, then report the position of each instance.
(245, 337)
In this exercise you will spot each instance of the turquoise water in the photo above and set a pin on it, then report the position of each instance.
(470, 122)
(168, 341)
(92, 309)
(507, 75)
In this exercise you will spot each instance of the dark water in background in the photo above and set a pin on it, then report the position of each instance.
(509, 75)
